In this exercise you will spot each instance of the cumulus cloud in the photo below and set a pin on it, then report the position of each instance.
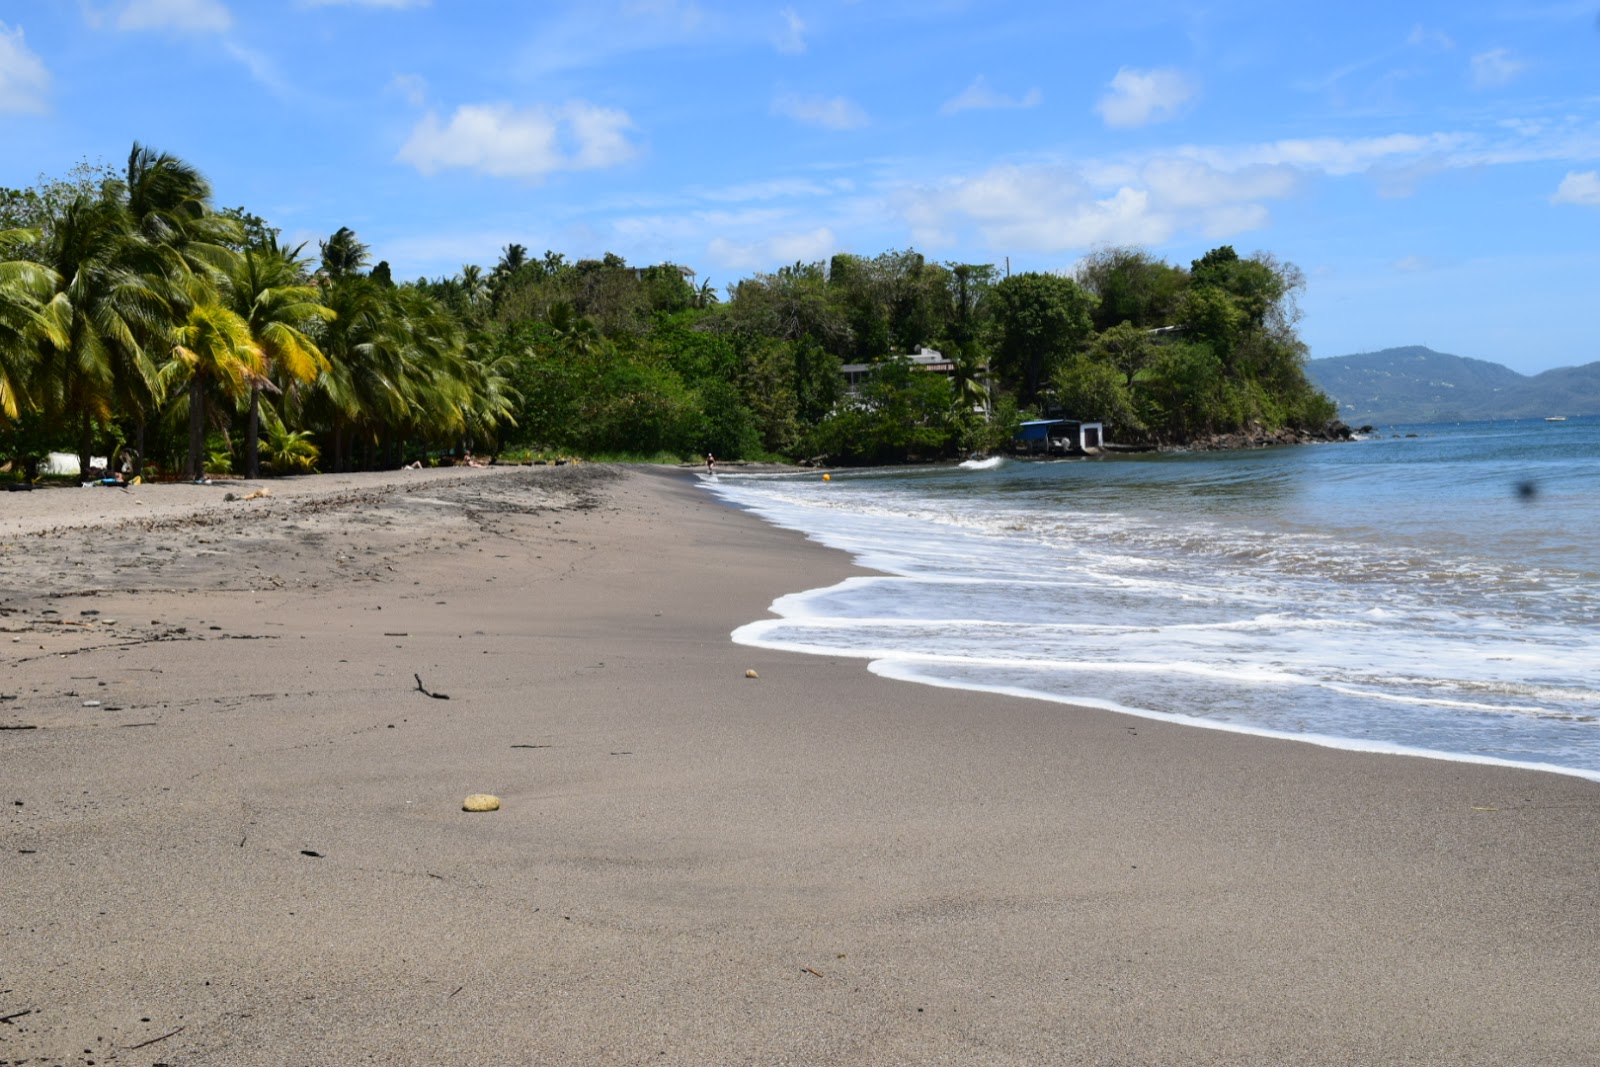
(807, 247)
(1140, 97)
(979, 96)
(791, 39)
(531, 142)
(1057, 208)
(1494, 68)
(830, 112)
(1579, 187)
(24, 81)
(202, 16)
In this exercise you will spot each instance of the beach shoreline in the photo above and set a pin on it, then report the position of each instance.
(236, 821)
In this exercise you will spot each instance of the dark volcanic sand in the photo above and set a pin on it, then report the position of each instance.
(250, 848)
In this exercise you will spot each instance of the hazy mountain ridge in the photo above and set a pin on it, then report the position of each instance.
(1417, 384)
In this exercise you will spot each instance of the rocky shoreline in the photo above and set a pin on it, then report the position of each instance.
(1260, 437)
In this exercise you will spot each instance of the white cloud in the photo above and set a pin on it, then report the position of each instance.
(805, 247)
(413, 88)
(1329, 155)
(261, 69)
(1494, 68)
(777, 188)
(1057, 208)
(577, 36)
(531, 142)
(979, 96)
(791, 40)
(365, 3)
(1412, 264)
(197, 15)
(1140, 97)
(686, 16)
(833, 113)
(1579, 187)
(1423, 37)
(23, 77)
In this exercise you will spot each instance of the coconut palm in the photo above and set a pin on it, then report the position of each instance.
(365, 383)
(213, 352)
(343, 255)
(25, 291)
(474, 286)
(265, 288)
(169, 206)
(177, 242)
(105, 313)
(513, 257)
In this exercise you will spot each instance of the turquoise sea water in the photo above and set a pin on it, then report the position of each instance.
(1437, 593)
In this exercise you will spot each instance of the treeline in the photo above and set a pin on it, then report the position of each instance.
(138, 319)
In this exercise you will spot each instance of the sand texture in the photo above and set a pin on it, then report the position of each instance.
(235, 836)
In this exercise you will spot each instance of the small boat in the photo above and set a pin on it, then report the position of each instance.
(1555, 418)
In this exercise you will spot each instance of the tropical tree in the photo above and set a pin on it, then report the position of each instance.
(343, 255)
(474, 286)
(1039, 318)
(267, 289)
(106, 314)
(213, 352)
(513, 257)
(25, 291)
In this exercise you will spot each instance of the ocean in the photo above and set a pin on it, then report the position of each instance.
(1430, 589)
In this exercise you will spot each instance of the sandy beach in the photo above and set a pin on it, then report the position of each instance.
(235, 737)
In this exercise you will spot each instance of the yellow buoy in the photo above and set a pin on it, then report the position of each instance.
(481, 802)
(827, 477)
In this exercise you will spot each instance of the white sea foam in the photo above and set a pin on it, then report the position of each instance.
(1215, 591)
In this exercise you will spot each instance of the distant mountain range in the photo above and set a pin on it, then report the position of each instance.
(1416, 384)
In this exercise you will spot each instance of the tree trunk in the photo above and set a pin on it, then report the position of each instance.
(252, 436)
(85, 446)
(338, 447)
(138, 449)
(196, 468)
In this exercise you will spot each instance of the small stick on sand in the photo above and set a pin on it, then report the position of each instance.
(153, 1040)
(424, 692)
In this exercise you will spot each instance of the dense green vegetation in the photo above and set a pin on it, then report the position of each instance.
(137, 318)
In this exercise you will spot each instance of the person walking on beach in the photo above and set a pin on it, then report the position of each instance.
(711, 464)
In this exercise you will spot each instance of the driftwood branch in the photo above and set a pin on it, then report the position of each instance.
(424, 692)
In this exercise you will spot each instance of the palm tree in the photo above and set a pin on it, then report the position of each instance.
(169, 205)
(25, 291)
(364, 383)
(513, 257)
(493, 401)
(266, 289)
(213, 351)
(342, 254)
(473, 284)
(175, 240)
(105, 311)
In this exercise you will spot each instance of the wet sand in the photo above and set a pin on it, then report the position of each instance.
(233, 834)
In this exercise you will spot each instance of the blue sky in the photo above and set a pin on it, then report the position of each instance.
(1434, 169)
